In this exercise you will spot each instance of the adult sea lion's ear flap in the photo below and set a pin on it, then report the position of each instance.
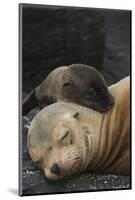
(76, 115)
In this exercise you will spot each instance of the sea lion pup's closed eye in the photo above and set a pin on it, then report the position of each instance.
(78, 83)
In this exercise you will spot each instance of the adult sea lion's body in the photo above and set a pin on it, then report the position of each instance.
(66, 138)
(76, 83)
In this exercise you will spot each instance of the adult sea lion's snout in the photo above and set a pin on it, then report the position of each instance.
(68, 163)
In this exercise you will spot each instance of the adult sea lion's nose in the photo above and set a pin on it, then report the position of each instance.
(55, 168)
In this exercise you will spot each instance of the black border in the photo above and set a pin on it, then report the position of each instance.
(20, 101)
(21, 5)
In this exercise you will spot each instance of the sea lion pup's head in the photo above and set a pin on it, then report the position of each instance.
(84, 85)
(56, 142)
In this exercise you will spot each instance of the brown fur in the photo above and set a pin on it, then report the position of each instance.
(78, 83)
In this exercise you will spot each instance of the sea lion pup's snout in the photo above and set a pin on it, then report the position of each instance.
(106, 104)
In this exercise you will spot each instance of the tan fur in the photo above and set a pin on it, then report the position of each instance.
(95, 141)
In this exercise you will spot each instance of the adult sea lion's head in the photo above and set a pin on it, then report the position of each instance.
(58, 146)
(86, 86)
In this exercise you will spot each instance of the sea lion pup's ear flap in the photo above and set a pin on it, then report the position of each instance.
(76, 115)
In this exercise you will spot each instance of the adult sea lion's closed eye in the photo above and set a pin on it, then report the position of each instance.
(65, 135)
(67, 138)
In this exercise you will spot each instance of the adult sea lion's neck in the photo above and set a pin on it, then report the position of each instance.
(93, 126)
(97, 143)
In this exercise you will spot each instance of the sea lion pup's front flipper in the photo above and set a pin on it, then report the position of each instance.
(33, 100)
(29, 102)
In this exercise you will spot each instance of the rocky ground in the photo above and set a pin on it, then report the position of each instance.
(116, 65)
(34, 182)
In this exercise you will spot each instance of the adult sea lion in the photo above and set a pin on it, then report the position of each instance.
(66, 138)
(76, 83)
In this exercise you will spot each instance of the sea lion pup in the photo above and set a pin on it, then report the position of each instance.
(66, 138)
(76, 83)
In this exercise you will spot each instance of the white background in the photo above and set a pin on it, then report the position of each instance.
(9, 99)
